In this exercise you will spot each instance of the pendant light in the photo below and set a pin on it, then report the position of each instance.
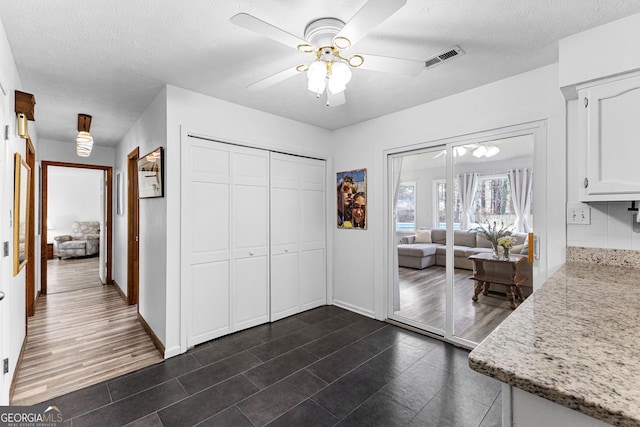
(84, 140)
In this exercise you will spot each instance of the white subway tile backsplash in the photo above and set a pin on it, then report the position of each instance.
(619, 242)
(611, 227)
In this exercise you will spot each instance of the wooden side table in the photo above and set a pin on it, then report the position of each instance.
(49, 250)
(507, 274)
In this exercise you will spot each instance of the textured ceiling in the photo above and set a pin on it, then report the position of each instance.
(110, 58)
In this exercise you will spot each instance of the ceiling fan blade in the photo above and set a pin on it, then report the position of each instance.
(333, 100)
(409, 67)
(256, 25)
(271, 80)
(368, 17)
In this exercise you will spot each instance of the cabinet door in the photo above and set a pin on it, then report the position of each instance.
(609, 129)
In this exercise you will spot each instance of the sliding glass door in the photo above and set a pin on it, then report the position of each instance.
(444, 201)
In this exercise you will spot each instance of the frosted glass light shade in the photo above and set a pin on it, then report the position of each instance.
(84, 144)
(340, 76)
(317, 74)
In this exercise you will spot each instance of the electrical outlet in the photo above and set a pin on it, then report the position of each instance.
(578, 214)
(5, 365)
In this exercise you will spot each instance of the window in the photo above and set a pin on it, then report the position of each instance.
(492, 203)
(406, 206)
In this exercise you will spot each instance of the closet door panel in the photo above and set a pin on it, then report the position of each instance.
(206, 240)
(312, 279)
(209, 302)
(285, 171)
(250, 237)
(284, 285)
(312, 233)
(251, 220)
(209, 230)
(251, 292)
(285, 216)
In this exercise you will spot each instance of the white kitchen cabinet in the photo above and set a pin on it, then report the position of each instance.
(609, 139)
(298, 243)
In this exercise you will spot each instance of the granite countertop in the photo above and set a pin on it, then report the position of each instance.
(575, 341)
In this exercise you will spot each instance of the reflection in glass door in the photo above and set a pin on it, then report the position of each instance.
(487, 183)
(493, 198)
(420, 285)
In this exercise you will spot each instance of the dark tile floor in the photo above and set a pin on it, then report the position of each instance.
(323, 367)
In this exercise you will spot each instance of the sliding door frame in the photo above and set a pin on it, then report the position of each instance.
(538, 129)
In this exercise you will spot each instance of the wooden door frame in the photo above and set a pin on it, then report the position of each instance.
(133, 227)
(31, 247)
(108, 220)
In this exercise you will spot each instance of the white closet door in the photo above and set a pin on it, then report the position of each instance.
(206, 239)
(313, 291)
(298, 272)
(250, 238)
(285, 232)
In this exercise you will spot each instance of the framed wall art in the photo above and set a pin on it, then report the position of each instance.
(150, 178)
(22, 179)
(351, 189)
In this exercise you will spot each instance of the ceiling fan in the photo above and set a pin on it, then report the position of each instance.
(327, 39)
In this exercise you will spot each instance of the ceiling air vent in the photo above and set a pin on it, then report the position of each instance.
(444, 56)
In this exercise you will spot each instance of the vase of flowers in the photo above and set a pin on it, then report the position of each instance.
(493, 233)
(506, 242)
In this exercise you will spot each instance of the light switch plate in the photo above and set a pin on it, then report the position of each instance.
(578, 213)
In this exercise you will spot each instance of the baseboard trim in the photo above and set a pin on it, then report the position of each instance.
(152, 335)
(354, 308)
(14, 377)
(124, 297)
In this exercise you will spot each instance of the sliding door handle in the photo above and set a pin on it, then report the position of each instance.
(1, 295)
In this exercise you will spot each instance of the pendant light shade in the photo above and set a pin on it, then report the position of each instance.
(84, 140)
(317, 75)
(340, 76)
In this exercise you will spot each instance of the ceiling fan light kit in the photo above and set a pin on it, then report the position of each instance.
(326, 38)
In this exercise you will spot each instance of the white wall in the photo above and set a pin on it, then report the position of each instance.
(12, 308)
(528, 97)
(148, 133)
(73, 195)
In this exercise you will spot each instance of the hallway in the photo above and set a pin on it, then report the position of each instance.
(82, 333)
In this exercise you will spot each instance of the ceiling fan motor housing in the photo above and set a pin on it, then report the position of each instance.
(321, 32)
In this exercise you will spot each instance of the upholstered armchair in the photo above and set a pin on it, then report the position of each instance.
(83, 241)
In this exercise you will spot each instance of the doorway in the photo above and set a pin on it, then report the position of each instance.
(440, 196)
(62, 225)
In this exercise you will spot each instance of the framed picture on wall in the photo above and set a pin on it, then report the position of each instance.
(150, 179)
(352, 199)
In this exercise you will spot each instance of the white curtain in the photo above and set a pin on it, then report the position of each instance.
(468, 187)
(395, 176)
(521, 183)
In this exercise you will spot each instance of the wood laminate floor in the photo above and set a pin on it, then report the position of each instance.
(82, 333)
(423, 299)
